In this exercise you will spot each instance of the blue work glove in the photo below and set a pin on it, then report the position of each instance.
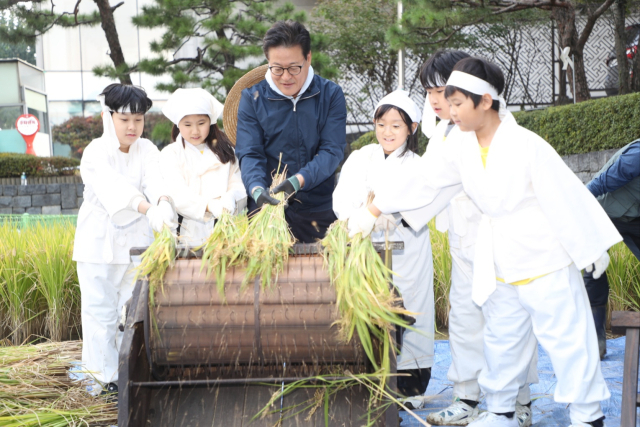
(262, 197)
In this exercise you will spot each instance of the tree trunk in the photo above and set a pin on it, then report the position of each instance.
(115, 50)
(565, 18)
(621, 46)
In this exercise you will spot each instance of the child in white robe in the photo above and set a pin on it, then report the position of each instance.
(530, 247)
(200, 167)
(461, 219)
(396, 120)
(124, 199)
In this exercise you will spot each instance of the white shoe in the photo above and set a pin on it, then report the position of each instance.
(414, 402)
(489, 419)
(523, 415)
(456, 414)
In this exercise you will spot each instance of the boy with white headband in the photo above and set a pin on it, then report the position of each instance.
(200, 166)
(530, 247)
(461, 219)
(396, 121)
(123, 196)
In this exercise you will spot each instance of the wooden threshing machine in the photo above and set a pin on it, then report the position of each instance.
(210, 362)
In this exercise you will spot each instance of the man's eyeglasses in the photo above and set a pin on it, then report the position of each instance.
(294, 70)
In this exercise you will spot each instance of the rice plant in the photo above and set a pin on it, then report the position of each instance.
(624, 279)
(441, 274)
(50, 252)
(21, 300)
(268, 240)
(224, 247)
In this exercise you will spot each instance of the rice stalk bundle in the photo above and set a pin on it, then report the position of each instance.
(224, 247)
(50, 254)
(36, 390)
(155, 261)
(364, 297)
(22, 302)
(268, 240)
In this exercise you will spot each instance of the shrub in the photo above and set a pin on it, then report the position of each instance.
(12, 165)
(78, 132)
(595, 125)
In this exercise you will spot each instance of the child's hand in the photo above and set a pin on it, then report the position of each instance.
(599, 266)
(362, 221)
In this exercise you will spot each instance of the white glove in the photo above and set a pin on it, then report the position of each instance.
(362, 221)
(168, 214)
(215, 207)
(155, 217)
(599, 266)
(228, 202)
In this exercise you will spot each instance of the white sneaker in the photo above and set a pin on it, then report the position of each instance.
(456, 414)
(414, 402)
(489, 419)
(523, 415)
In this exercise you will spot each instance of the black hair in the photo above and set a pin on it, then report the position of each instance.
(437, 69)
(412, 139)
(287, 34)
(482, 69)
(217, 141)
(117, 95)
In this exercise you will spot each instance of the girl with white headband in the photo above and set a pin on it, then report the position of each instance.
(461, 218)
(530, 248)
(200, 167)
(396, 121)
(123, 196)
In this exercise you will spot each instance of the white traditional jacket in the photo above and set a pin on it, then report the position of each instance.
(108, 226)
(193, 179)
(537, 218)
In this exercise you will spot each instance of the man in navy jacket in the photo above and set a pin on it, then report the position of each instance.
(300, 117)
(617, 188)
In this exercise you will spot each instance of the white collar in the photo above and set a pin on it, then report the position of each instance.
(305, 86)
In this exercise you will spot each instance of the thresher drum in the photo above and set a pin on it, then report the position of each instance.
(198, 358)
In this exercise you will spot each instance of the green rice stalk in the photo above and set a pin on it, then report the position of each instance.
(268, 240)
(364, 298)
(624, 279)
(50, 254)
(441, 274)
(155, 261)
(224, 247)
(19, 295)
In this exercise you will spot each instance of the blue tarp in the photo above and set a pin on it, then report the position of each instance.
(546, 413)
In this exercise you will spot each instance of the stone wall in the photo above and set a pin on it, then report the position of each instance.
(65, 199)
(588, 164)
(41, 199)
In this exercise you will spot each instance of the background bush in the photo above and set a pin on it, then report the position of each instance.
(596, 125)
(12, 165)
(78, 132)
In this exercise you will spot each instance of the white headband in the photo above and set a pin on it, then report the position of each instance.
(428, 115)
(472, 84)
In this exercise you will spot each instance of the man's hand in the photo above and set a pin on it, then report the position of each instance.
(362, 221)
(599, 266)
(290, 187)
(262, 197)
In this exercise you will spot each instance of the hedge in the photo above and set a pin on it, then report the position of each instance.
(12, 165)
(596, 125)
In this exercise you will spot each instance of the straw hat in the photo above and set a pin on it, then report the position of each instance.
(230, 114)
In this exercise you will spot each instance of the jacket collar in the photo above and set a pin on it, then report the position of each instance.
(307, 84)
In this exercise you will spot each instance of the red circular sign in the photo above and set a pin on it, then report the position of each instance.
(28, 125)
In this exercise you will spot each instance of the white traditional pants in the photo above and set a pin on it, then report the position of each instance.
(555, 308)
(414, 279)
(466, 334)
(104, 288)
